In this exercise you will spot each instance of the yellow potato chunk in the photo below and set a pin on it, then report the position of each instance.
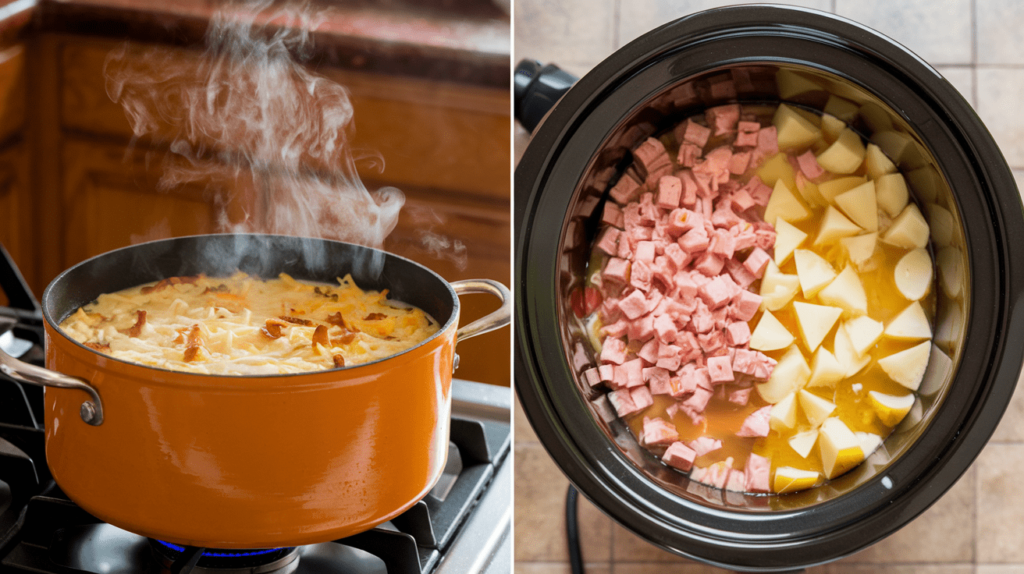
(845, 155)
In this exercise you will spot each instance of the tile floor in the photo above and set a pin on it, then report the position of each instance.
(976, 527)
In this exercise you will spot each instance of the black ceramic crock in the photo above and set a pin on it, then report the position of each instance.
(956, 174)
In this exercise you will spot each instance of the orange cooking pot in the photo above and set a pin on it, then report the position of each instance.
(255, 461)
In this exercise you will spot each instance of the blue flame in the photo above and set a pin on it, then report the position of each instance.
(177, 548)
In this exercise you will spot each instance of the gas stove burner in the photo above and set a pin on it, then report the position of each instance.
(248, 561)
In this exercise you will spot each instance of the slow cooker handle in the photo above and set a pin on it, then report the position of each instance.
(495, 320)
(537, 89)
(91, 411)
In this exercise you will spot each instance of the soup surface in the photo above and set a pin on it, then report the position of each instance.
(242, 325)
(760, 297)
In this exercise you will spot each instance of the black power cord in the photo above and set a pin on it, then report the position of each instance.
(572, 530)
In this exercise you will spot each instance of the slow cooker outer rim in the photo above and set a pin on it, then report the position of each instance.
(615, 69)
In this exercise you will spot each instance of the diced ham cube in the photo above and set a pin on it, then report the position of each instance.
(718, 473)
(670, 191)
(616, 329)
(693, 133)
(616, 271)
(684, 385)
(613, 351)
(665, 329)
(606, 372)
(688, 154)
(763, 366)
(715, 293)
(719, 370)
(744, 361)
(740, 396)
(650, 156)
(696, 417)
(689, 198)
(612, 214)
(711, 343)
(757, 471)
(685, 286)
(676, 255)
(658, 431)
(757, 261)
(659, 380)
(756, 424)
(745, 306)
(634, 372)
(698, 401)
(694, 240)
(669, 357)
(622, 401)
(737, 334)
(742, 200)
(609, 240)
(633, 305)
(641, 398)
(746, 139)
(723, 118)
(809, 165)
(592, 376)
(702, 320)
(679, 456)
(737, 481)
(641, 330)
(709, 264)
(723, 243)
(739, 273)
(641, 275)
(739, 162)
(724, 217)
(649, 352)
(758, 190)
(767, 143)
(765, 238)
(645, 251)
(704, 445)
(624, 190)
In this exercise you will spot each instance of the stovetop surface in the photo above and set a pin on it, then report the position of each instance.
(463, 525)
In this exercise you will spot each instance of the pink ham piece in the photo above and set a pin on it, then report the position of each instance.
(739, 273)
(739, 163)
(746, 135)
(670, 191)
(665, 329)
(650, 156)
(756, 424)
(613, 351)
(737, 481)
(632, 373)
(606, 372)
(634, 305)
(649, 352)
(737, 334)
(756, 262)
(658, 380)
(809, 165)
(641, 397)
(698, 401)
(609, 240)
(612, 215)
(616, 270)
(688, 155)
(720, 370)
(679, 456)
(622, 402)
(740, 396)
(715, 293)
(645, 252)
(624, 190)
(756, 472)
(692, 132)
(745, 306)
(704, 445)
(723, 118)
(717, 474)
(592, 376)
(658, 431)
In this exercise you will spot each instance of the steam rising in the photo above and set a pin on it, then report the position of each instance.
(250, 105)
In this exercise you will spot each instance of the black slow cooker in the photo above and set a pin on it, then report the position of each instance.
(955, 172)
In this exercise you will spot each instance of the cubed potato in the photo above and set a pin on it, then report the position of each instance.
(868, 442)
(833, 187)
(784, 205)
(846, 292)
(876, 163)
(910, 325)
(913, 274)
(860, 249)
(803, 442)
(951, 271)
(845, 155)
(794, 130)
(845, 354)
(831, 127)
(775, 169)
(909, 230)
(890, 409)
(843, 109)
(789, 479)
(814, 272)
(891, 193)
(942, 224)
(815, 321)
(783, 414)
(809, 192)
(825, 370)
(777, 288)
(835, 226)
(839, 448)
(926, 182)
(790, 375)
(907, 367)
(875, 116)
(864, 332)
(792, 83)
(892, 143)
(770, 334)
(859, 204)
(787, 239)
(815, 408)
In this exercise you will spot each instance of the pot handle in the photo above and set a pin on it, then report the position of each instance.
(91, 410)
(497, 319)
(537, 88)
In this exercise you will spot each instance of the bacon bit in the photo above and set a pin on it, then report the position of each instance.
(337, 319)
(136, 329)
(320, 337)
(344, 339)
(222, 288)
(273, 328)
(339, 361)
(374, 317)
(97, 346)
(160, 286)
(181, 335)
(297, 321)
(195, 345)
